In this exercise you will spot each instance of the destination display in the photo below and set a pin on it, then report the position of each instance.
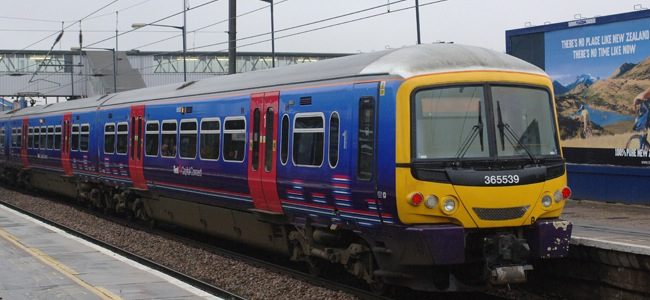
(601, 78)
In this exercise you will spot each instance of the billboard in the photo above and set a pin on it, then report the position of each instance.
(601, 78)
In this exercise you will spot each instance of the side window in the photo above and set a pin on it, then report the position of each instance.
(308, 139)
(50, 137)
(37, 137)
(75, 138)
(43, 137)
(122, 143)
(151, 138)
(2, 140)
(366, 145)
(284, 137)
(188, 139)
(109, 138)
(234, 139)
(57, 137)
(334, 140)
(13, 137)
(85, 137)
(168, 148)
(19, 134)
(269, 143)
(30, 138)
(210, 138)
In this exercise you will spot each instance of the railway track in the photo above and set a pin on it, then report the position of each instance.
(237, 252)
(169, 233)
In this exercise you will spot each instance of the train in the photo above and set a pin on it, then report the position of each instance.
(431, 167)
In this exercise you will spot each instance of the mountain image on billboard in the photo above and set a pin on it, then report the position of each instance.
(601, 80)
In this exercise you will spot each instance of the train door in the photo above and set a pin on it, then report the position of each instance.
(136, 149)
(262, 151)
(65, 144)
(366, 96)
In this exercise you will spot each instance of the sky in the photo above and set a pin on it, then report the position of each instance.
(473, 22)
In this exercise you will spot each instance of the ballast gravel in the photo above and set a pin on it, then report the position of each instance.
(246, 280)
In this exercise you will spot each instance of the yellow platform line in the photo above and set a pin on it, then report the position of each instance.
(60, 267)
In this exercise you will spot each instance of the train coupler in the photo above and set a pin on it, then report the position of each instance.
(509, 274)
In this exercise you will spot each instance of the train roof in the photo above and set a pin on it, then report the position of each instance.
(400, 63)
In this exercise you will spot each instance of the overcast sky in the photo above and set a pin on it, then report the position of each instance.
(475, 22)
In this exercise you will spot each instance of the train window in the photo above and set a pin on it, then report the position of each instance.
(2, 139)
(256, 138)
(168, 148)
(122, 142)
(75, 137)
(268, 140)
(335, 131)
(43, 137)
(151, 138)
(30, 138)
(234, 139)
(308, 139)
(18, 137)
(210, 138)
(50, 137)
(13, 137)
(57, 137)
(366, 143)
(188, 139)
(109, 138)
(36, 137)
(85, 137)
(284, 147)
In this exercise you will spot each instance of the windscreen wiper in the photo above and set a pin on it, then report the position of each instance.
(505, 127)
(477, 130)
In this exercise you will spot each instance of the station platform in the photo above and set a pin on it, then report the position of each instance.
(38, 261)
(610, 226)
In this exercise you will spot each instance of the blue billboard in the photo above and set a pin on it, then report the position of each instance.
(601, 78)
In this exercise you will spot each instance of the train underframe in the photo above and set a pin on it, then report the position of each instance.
(442, 257)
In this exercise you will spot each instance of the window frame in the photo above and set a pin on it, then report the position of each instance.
(218, 132)
(148, 132)
(58, 133)
(175, 132)
(307, 130)
(235, 131)
(30, 137)
(81, 133)
(329, 140)
(72, 134)
(117, 135)
(114, 133)
(196, 135)
(50, 137)
(282, 138)
(43, 142)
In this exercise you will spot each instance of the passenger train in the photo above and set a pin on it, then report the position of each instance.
(433, 167)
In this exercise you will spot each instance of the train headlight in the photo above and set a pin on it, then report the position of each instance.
(449, 205)
(546, 201)
(415, 199)
(431, 201)
(562, 194)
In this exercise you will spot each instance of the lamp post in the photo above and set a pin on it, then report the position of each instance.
(140, 25)
(114, 62)
(272, 34)
(417, 19)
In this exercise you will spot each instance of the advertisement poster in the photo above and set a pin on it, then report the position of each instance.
(601, 78)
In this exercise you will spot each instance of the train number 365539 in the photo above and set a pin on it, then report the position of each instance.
(501, 179)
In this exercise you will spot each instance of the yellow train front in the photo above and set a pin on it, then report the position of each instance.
(480, 179)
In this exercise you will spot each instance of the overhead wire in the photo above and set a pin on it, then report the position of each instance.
(151, 23)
